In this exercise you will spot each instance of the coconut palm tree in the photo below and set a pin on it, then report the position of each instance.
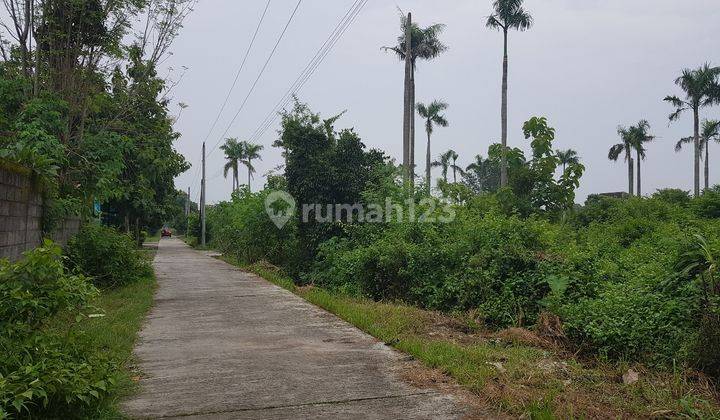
(640, 134)
(507, 15)
(233, 153)
(444, 163)
(432, 116)
(625, 147)
(702, 89)
(567, 157)
(710, 132)
(425, 44)
(251, 152)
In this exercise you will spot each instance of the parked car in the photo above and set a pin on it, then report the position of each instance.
(165, 232)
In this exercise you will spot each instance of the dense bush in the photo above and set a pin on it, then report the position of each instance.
(242, 229)
(107, 256)
(43, 371)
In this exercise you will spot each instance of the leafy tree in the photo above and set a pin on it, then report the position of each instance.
(233, 154)
(567, 157)
(710, 132)
(425, 44)
(701, 88)
(432, 116)
(533, 187)
(626, 147)
(507, 15)
(322, 167)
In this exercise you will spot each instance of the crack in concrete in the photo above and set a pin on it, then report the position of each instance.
(310, 404)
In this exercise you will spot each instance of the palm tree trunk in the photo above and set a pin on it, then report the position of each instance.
(427, 164)
(696, 126)
(249, 174)
(503, 113)
(639, 186)
(412, 126)
(407, 99)
(630, 175)
(707, 164)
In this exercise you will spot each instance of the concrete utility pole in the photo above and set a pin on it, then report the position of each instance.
(202, 199)
(408, 105)
(187, 214)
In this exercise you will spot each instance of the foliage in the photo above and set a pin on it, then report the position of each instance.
(41, 370)
(322, 166)
(108, 257)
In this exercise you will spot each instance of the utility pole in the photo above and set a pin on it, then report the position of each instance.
(408, 105)
(202, 199)
(187, 214)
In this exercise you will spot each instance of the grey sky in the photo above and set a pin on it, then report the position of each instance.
(587, 65)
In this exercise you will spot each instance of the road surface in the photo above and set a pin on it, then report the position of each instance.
(222, 343)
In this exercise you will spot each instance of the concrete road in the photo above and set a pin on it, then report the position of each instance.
(221, 343)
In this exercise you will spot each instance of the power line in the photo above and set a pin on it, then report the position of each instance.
(312, 65)
(262, 70)
(237, 75)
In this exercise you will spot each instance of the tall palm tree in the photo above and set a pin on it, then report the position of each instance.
(625, 147)
(432, 116)
(710, 132)
(233, 153)
(640, 134)
(425, 44)
(252, 152)
(454, 156)
(567, 157)
(508, 14)
(444, 163)
(701, 89)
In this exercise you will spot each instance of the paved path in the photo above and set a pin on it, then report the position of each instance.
(221, 343)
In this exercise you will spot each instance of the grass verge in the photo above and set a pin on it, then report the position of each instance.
(114, 335)
(513, 372)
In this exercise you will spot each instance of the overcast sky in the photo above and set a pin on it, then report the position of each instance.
(587, 65)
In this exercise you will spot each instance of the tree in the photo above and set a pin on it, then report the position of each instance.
(233, 153)
(701, 89)
(444, 163)
(640, 135)
(425, 44)
(454, 156)
(567, 156)
(432, 116)
(627, 147)
(483, 175)
(250, 152)
(508, 14)
(710, 132)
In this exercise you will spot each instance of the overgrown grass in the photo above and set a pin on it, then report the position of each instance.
(507, 374)
(114, 336)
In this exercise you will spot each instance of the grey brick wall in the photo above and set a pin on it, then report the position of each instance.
(21, 216)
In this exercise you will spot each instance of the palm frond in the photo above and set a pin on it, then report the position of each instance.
(616, 151)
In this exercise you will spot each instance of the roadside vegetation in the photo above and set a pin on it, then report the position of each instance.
(525, 298)
(67, 337)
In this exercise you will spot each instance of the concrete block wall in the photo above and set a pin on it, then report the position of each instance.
(21, 210)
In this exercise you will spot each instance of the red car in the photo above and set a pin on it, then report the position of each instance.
(165, 232)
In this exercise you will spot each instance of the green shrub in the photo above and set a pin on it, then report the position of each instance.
(109, 257)
(43, 373)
